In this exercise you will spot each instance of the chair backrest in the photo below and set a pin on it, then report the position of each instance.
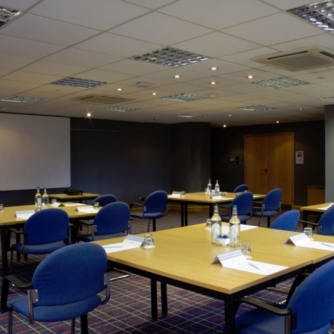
(326, 222)
(156, 202)
(313, 300)
(112, 218)
(244, 203)
(70, 275)
(105, 199)
(272, 200)
(287, 221)
(241, 188)
(46, 226)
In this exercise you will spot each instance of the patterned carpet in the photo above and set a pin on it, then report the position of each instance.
(128, 310)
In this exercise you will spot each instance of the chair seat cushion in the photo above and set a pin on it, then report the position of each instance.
(148, 215)
(39, 249)
(56, 313)
(259, 213)
(262, 322)
(88, 237)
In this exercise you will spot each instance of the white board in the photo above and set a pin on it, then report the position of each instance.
(34, 152)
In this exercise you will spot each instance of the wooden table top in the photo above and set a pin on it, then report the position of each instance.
(202, 197)
(7, 217)
(65, 197)
(317, 208)
(185, 254)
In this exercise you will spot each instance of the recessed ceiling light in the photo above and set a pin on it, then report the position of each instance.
(6, 14)
(256, 108)
(300, 108)
(319, 14)
(190, 115)
(230, 115)
(224, 126)
(79, 83)
(120, 108)
(24, 99)
(119, 89)
(214, 68)
(213, 82)
(89, 114)
(170, 57)
(154, 93)
(280, 82)
(277, 121)
(177, 76)
(184, 97)
(156, 119)
(250, 76)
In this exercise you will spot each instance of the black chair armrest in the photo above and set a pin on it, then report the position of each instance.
(308, 223)
(265, 306)
(17, 282)
(86, 222)
(16, 231)
(136, 204)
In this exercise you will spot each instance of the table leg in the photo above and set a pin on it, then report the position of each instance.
(182, 214)
(229, 315)
(211, 209)
(5, 283)
(164, 301)
(154, 299)
(185, 214)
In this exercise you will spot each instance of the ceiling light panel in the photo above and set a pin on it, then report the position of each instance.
(6, 14)
(184, 97)
(320, 14)
(281, 82)
(79, 83)
(24, 99)
(120, 108)
(256, 108)
(331, 98)
(170, 57)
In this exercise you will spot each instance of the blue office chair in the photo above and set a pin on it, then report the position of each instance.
(241, 188)
(105, 199)
(244, 203)
(287, 221)
(270, 206)
(309, 310)
(153, 208)
(110, 222)
(65, 285)
(325, 224)
(43, 233)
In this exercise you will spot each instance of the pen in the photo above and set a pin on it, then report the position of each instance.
(327, 245)
(254, 266)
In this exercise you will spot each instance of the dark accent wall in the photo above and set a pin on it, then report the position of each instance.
(309, 137)
(190, 156)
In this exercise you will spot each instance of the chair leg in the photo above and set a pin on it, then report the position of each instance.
(10, 321)
(148, 225)
(268, 222)
(154, 225)
(73, 326)
(84, 324)
(11, 261)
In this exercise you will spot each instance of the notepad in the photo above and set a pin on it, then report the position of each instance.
(72, 204)
(25, 214)
(87, 209)
(131, 241)
(237, 260)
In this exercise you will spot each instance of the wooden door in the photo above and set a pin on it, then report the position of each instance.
(276, 166)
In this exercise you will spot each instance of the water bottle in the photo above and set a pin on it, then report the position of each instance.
(45, 199)
(217, 188)
(216, 223)
(209, 187)
(38, 200)
(234, 228)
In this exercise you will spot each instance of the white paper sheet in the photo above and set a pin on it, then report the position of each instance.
(87, 209)
(131, 241)
(72, 204)
(243, 227)
(236, 260)
(26, 214)
(174, 195)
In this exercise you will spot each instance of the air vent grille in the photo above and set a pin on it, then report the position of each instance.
(104, 99)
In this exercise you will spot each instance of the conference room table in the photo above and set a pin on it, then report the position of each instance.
(317, 209)
(70, 198)
(201, 198)
(183, 257)
(8, 219)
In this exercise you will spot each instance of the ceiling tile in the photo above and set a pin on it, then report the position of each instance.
(277, 28)
(97, 14)
(152, 4)
(18, 4)
(31, 77)
(14, 62)
(45, 30)
(218, 14)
